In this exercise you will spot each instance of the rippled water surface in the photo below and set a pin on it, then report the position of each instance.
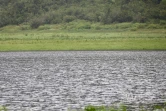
(55, 81)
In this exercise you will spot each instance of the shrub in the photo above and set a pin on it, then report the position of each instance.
(3, 21)
(163, 2)
(44, 27)
(86, 26)
(52, 17)
(134, 29)
(162, 22)
(97, 28)
(162, 14)
(24, 27)
(68, 18)
(139, 18)
(153, 26)
(35, 23)
(140, 25)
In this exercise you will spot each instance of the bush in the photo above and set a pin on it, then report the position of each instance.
(86, 26)
(134, 29)
(3, 21)
(163, 2)
(162, 22)
(44, 27)
(77, 24)
(24, 27)
(97, 28)
(35, 23)
(140, 25)
(68, 18)
(52, 17)
(153, 26)
(139, 18)
(162, 14)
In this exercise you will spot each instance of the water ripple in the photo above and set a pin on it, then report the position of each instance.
(50, 81)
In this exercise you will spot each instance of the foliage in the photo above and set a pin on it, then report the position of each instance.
(65, 11)
(35, 23)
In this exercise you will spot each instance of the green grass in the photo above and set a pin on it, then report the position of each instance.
(103, 108)
(3, 108)
(147, 107)
(125, 36)
(121, 107)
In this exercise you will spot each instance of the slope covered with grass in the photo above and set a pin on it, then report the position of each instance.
(83, 36)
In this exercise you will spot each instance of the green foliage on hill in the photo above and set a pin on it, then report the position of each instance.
(37, 12)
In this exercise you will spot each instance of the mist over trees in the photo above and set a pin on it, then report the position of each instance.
(37, 12)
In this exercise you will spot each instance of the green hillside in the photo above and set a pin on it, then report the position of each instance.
(37, 12)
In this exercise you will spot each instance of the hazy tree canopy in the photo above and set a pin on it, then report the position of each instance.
(60, 11)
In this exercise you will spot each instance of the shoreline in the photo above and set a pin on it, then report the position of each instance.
(83, 50)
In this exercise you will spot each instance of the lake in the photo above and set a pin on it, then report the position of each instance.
(61, 80)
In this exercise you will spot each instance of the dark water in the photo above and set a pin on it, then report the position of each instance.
(56, 81)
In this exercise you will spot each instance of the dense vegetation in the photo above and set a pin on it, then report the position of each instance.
(82, 25)
(146, 107)
(37, 12)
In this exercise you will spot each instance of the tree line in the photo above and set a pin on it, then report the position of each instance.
(37, 12)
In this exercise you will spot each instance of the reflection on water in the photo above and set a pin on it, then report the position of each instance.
(50, 81)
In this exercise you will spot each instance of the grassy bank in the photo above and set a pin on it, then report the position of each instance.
(148, 107)
(83, 36)
(121, 107)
